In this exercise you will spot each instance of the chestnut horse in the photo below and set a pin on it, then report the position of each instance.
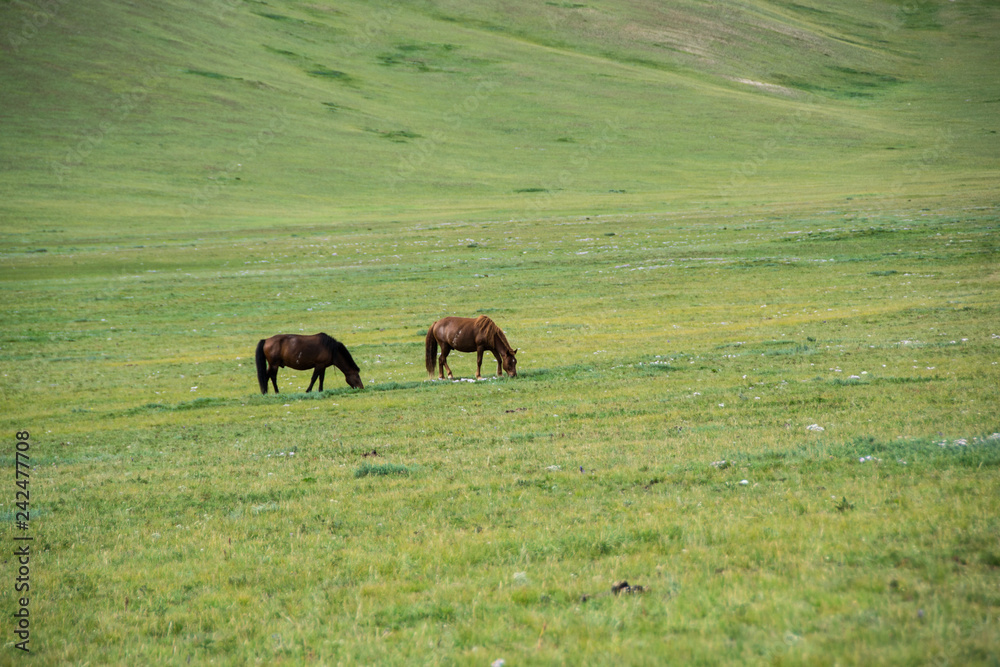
(468, 335)
(302, 353)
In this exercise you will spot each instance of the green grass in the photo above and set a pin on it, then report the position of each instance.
(748, 253)
(596, 464)
(381, 469)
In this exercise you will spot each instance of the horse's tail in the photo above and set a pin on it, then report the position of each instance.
(261, 367)
(431, 345)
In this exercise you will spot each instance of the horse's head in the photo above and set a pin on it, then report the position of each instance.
(354, 379)
(510, 363)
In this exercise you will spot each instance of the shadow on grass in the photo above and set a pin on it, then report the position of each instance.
(570, 372)
(218, 402)
(382, 470)
(278, 399)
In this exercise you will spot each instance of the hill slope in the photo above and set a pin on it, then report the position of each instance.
(233, 113)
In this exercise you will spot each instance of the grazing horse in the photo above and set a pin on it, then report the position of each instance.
(302, 353)
(468, 335)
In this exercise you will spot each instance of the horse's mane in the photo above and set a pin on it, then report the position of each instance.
(336, 348)
(492, 331)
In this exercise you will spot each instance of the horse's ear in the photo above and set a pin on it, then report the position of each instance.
(514, 352)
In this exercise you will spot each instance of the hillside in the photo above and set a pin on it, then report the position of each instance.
(233, 114)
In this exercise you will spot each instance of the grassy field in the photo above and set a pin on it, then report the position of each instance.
(748, 252)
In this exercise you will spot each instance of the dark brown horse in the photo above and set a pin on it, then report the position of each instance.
(468, 335)
(302, 353)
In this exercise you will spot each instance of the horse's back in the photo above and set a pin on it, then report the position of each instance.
(302, 339)
(278, 342)
(453, 320)
(448, 326)
(464, 334)
(296, 350)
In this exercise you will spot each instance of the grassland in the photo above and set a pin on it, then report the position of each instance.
(748, 254)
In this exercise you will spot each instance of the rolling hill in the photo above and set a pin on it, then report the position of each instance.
(233, 114)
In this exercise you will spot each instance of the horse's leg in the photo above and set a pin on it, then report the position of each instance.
(443, 362)
(479, 363)
(272, 373)
(313, 380)
(322, 376)
(499, 364)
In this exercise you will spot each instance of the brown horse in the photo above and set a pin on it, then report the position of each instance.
(302, 353)
(468, 335)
